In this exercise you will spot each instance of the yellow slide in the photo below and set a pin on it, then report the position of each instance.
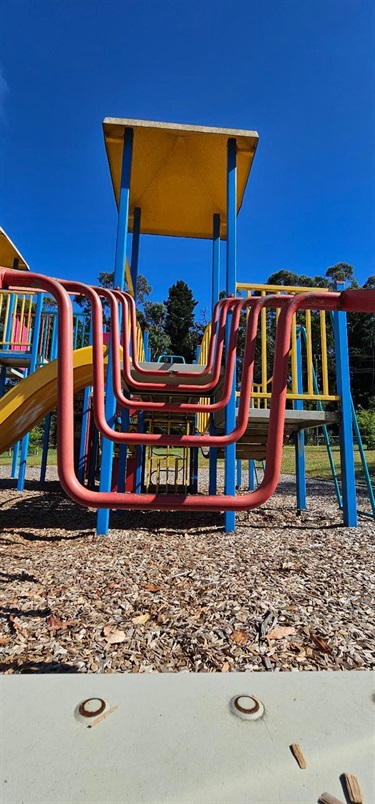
(30, 401)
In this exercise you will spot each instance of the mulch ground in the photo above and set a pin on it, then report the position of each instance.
(167, 592)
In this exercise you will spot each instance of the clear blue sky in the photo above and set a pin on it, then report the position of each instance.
(300, 72)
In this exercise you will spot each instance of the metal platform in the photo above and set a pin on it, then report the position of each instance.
(176, 738)
(253, 444)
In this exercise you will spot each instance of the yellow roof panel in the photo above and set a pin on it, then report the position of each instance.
(178, 173)
(9, 253)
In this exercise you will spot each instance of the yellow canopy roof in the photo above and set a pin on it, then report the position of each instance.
(9, 253)
(178, 173)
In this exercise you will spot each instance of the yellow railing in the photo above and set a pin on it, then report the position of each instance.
(140, 344)
(168, 467)
(204, 418)
(315, 348)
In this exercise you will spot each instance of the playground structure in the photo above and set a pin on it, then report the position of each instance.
(178, 181)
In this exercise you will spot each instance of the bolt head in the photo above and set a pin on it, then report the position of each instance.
(247, 707)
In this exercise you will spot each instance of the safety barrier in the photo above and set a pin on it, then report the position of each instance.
(318, 335)
(288, 306)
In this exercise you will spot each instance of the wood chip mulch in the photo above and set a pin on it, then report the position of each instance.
(167, 592)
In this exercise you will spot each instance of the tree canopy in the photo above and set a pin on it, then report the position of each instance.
(179, 320)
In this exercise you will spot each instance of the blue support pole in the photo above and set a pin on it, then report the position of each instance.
(300, 436)
(251, 475)
(239, 473)
(110, 401)
(146, 336)
(215, 288)
(215, 292)
(135, 249)
(230, 410)
(33, 365)
(139, 456)
(16, 452)
(82, 459)
(47, 422)
(349, 497)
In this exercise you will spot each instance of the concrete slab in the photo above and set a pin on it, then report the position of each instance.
(174, 738)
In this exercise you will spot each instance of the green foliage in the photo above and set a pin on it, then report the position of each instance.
(153, 320)
(36, 438)
(366, 421)
(105, 280)
(179, 320)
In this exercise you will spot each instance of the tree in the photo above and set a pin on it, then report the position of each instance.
(179, 321)
(153, 320)
(105, 280)
(341, 272)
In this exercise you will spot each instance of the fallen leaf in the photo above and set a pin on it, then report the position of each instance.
(4, 640)
(150, 587)
(281, 631)
(320, 643)
(54, 622)
(141, 619)
(113, 635)
(225, 667)
(240, 637)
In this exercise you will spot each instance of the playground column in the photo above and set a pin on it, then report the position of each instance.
(84, 441)
(33, 365)
(47, 422)
(135, 249)
(230, 410)
(300, 436)
(110, 402)
(251, 475)
(215, 292)
(146, 336)
(349, 498)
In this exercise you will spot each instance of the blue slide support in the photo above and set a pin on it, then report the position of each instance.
(33, 365)
(230, 410)
(349, 498)
(300, 436)
(47, 421)
(215, 292)
(251, 475)
(110, 401)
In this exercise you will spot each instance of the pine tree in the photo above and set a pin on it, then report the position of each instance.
(179, 321)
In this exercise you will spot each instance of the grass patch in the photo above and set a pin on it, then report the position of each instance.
(317, 464)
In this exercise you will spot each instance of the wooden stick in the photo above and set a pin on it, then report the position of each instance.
(326, 798)
(298, 755)
(103, 716)
(353, 789)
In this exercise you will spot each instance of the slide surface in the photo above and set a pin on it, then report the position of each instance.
(29, 402)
